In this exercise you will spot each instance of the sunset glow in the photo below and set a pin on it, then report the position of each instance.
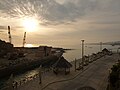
(60, 22)
(28, 45)
(30, 24)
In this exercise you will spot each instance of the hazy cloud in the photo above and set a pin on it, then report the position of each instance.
(105, 22)
(48, 11)
(3, 27)
(93, 20)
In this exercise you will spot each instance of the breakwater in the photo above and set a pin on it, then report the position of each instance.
(87, 60)
(19, 68)
(36, 63)
(22, 67)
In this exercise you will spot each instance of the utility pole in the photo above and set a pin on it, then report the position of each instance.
(24, 38)
(75, 64)
(10, 39)
(10, 82)
(100, 46)
(40, 74)
(82, 52)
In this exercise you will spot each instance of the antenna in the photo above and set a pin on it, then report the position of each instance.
(10, 39)
(24, 39)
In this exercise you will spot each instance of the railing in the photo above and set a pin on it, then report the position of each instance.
(16, 84)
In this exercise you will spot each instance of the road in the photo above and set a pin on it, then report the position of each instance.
(95, 76)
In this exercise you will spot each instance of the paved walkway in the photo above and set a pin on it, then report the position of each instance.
(94, 75)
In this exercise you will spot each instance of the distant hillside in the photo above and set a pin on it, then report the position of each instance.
(113, 43)
(106, 43)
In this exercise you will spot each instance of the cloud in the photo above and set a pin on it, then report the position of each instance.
(48, 11)
(51, 12)
(3, 27)
(106, 22)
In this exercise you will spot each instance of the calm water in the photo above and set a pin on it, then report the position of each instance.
(88, 50)
(70, 55)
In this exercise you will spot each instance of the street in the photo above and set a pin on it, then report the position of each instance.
(95, 76)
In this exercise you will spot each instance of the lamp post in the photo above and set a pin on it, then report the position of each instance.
(82, 52)
(109, 70)
(40, 76)
(75, 64)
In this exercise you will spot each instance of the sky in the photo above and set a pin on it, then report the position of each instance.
(60, 22)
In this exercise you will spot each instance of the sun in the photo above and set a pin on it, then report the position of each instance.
(30, 24)
(29, 45)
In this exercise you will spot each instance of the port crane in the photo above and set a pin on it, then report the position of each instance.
(10, 38)
(24, 38)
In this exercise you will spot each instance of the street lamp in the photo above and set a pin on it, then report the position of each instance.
(82, 52)
(40, 74)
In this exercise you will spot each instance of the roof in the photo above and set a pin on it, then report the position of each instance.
(62, 63)
(49, 61)
(85, 56)
(105, 50)
(94, 54)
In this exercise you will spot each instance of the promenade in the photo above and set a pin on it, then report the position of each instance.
(94, 75)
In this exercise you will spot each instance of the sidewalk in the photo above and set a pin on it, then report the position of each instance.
(49, 78)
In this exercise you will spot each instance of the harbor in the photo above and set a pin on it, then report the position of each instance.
(49, 79)
(59, 44)
(43, 56)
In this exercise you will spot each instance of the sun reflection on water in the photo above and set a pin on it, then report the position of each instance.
(29, 45)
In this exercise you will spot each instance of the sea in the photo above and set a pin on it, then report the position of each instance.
(70, 55)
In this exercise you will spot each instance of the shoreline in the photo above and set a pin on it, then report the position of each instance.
(5, 72)
(50, 76)
(25, 66)
(37, 64)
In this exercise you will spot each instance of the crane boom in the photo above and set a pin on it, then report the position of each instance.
(10, 39)
(24, 39)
